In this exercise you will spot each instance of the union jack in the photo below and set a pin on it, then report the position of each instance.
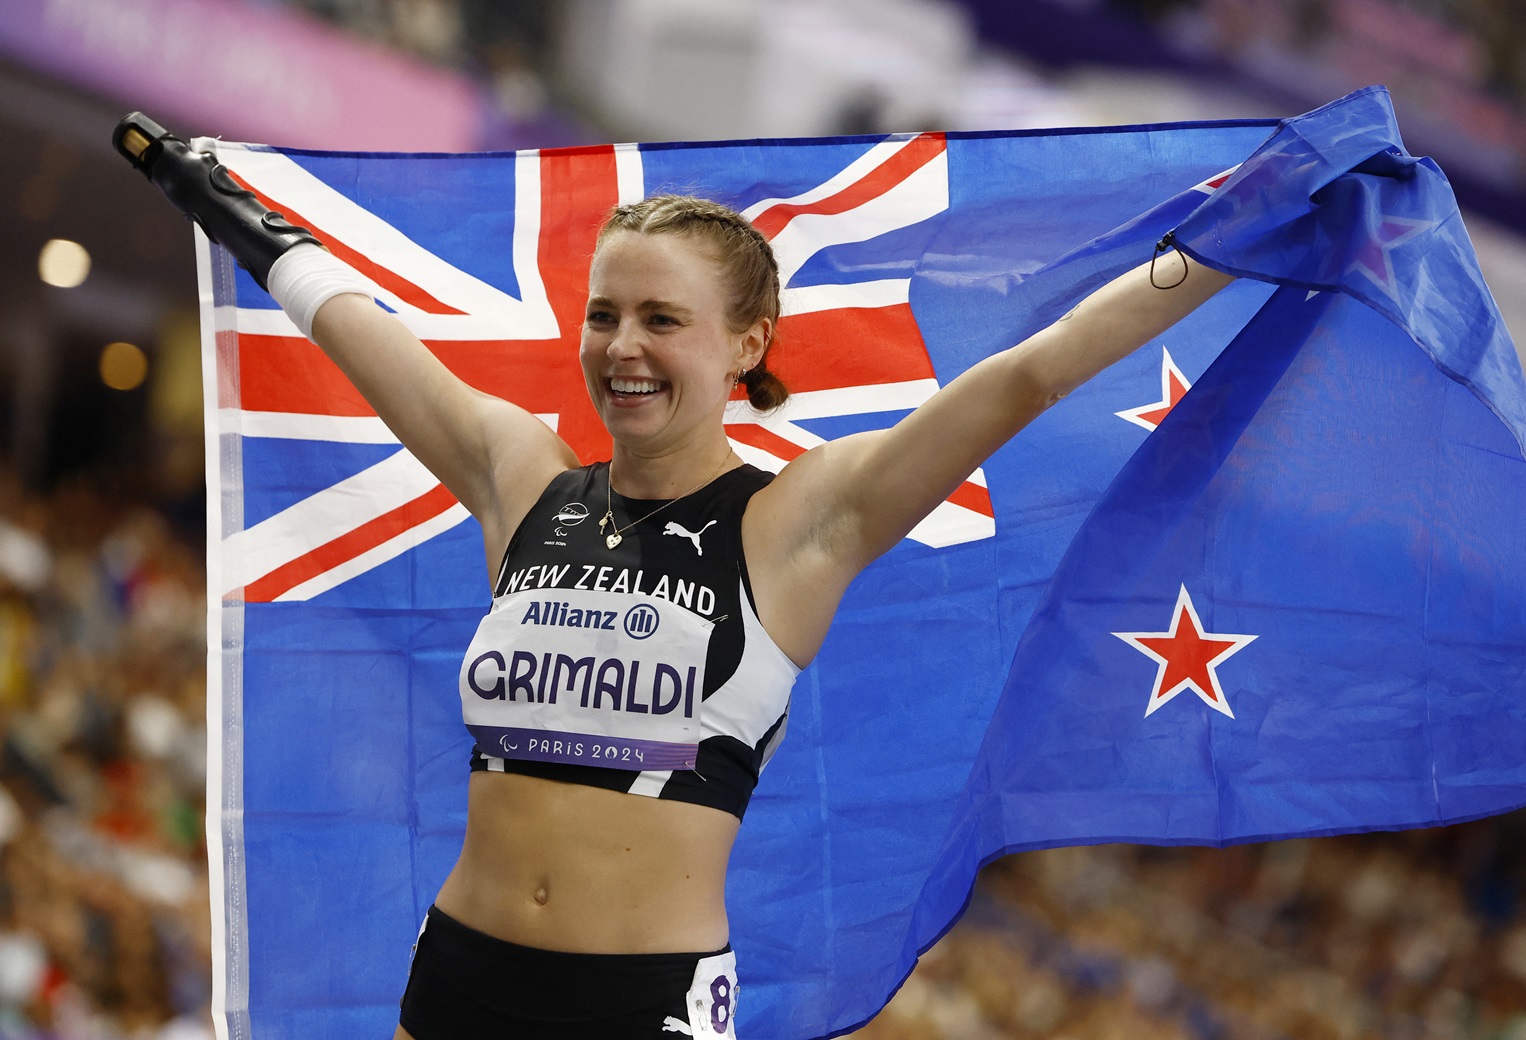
(866, 354)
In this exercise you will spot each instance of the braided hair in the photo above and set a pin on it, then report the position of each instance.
(747, 263)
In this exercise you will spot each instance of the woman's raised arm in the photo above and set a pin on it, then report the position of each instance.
(494, 456)
(839, 506)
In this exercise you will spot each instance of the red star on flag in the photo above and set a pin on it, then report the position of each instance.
(1188, 657)
(1173, 387)
(1374, 256)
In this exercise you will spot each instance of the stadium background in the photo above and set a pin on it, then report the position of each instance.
(103, 905)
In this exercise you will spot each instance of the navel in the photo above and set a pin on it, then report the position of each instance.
(541, 897)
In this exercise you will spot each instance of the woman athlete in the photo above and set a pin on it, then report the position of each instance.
(590, 901)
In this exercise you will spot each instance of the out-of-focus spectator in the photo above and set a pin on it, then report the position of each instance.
(104, 920)
(1413, 935)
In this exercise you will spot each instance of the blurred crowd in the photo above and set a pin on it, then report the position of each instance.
(104, 922)
(1408, 936)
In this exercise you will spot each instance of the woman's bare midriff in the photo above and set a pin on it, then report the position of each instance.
(584, 870)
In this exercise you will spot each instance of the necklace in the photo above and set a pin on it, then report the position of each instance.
(615, 537)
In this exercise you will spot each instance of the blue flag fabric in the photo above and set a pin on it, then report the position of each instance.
(1263, 578)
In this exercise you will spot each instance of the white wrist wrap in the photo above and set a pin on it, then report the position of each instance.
(305, 277)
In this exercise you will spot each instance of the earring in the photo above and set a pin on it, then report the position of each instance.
(738, 377)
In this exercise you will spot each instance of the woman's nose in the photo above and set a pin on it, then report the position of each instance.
(626, 341)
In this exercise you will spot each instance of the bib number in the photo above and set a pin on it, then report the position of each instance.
(713, 996)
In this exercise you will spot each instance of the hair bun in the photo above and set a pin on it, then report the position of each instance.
(765, 391)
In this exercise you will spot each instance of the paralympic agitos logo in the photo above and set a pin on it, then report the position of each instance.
(570, 515)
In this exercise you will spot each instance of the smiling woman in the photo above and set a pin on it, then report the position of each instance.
(659, 353)
(632, 658)
(747, 270)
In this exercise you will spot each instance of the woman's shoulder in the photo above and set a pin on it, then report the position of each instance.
(749, 476)
(737, 486)
(577, 480)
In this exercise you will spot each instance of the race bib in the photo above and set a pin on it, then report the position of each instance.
(713, 996)
(587, 678)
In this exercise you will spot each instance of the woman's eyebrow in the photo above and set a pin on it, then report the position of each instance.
(665, 305)
(645, 305)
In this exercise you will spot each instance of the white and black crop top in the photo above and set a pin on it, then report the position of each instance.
(640, 668)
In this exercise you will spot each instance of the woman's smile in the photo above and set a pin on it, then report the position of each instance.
(628, 392)
(634, 386)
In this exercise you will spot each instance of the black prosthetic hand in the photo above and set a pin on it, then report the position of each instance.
(203, 189)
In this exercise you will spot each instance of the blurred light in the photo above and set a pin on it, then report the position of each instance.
(123, 366)
(63, 263)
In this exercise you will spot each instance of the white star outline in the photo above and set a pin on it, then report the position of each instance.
(1214, 699)
(1168, 368)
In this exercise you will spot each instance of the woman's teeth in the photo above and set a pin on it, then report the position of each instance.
(634, 386)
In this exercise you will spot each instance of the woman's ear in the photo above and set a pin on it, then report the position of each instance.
(755, 343)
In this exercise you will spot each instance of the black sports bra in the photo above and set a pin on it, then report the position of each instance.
(640, 667)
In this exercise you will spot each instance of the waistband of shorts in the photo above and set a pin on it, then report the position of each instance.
(492, 946)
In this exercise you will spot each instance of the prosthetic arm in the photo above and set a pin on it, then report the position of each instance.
(203, 189)
(286, 260)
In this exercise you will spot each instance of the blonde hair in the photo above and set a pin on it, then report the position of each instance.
(747, 263)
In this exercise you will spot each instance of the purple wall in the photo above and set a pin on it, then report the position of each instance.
(245, 72)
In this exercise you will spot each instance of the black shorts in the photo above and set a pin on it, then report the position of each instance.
(464, 983)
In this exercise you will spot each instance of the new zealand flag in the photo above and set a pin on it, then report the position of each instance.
(1266, 577)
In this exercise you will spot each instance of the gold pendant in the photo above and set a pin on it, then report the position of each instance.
(613, 540)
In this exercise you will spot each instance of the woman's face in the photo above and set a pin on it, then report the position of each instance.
(658, 355)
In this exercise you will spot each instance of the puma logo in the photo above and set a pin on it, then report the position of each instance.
(671, 1024)
(693, 536)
